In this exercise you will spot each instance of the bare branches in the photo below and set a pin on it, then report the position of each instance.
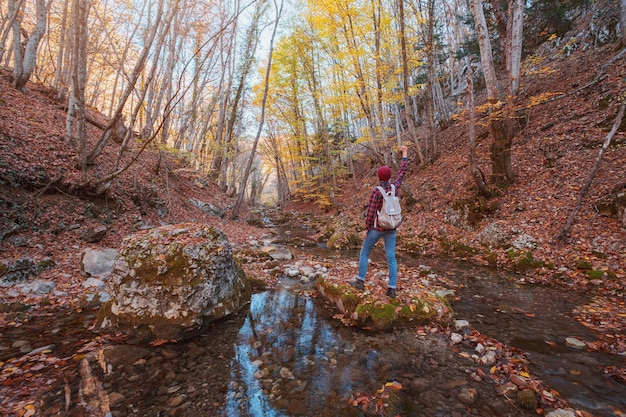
(607, 142)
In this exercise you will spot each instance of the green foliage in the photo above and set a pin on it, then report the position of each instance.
(378, 312)
(456, 248)
(595, 274)
(491, 258)
(523, 261)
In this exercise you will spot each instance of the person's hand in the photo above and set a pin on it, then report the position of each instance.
(404, 150)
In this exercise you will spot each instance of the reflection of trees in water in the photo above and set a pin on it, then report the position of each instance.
(299, 354)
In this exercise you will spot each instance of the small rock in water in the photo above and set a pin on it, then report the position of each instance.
(519, 381)
(467, 395)
(575, 343)
(461, 324)
(560, 412)
(286, 373)
(526, 399)
(489, 358)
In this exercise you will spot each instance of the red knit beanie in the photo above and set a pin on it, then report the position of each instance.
(384, 173)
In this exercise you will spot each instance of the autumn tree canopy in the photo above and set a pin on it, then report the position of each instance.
(347, 77)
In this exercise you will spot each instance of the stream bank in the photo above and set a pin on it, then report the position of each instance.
(287, 355)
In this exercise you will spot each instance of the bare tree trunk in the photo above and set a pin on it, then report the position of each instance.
(65, 74)
(360, 86)
(376, 18)
(499, 125)
(147, 85)
(479, 178)
(80, 41)
(18, 52)
(515, 25)
(622, 21)
(246, 174)
(486, 55)
(432, 79)
(62, 47)
(123, 59)
(233, 116)
(168, 85)
(13, 15)
(274, 154)
(226, 82)
(405, 84)
(607, 142)
(23, 68)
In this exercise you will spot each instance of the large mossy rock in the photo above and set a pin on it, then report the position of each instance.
(380, 313)
(343, 234)
(170, 282)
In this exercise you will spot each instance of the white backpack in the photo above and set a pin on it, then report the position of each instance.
(390, 216)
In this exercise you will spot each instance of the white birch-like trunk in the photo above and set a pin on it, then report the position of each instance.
(515, 25)
(486, 56)
(29, 59)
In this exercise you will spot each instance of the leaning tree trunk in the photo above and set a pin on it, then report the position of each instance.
(25, 67)
(607, 142)
(130, 88)
(13, 15)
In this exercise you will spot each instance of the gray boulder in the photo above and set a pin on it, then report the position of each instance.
(171, 282)
(97, 263)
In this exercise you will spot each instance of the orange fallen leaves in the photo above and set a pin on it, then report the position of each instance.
(159, 342)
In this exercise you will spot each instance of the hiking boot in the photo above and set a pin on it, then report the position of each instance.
(358, 284)
(391, 292)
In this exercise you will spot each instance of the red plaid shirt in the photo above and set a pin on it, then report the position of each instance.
(376, 198)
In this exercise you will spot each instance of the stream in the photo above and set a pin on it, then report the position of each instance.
(533, 318)
(286, 356)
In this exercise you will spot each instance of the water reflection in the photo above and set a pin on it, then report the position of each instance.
(286, 360)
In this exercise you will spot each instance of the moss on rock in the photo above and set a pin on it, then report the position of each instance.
(382, 313)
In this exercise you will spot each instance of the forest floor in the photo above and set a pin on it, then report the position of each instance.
(48, 205)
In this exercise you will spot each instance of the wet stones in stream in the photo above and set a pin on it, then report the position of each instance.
(194, 378)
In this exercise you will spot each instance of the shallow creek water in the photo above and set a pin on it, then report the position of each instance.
(286, 356)
(535, 319)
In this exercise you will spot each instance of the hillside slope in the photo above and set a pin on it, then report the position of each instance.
(552, 157)
(49, 207)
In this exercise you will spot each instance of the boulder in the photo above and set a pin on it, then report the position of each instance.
(377, 312)
(97, 263)
(22, 270)
(493, 235)
(171, 282)
(343, 234)
(209, 208)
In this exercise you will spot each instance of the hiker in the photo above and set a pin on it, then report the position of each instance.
(374, 232)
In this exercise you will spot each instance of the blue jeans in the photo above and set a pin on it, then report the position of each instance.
(389, 237)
